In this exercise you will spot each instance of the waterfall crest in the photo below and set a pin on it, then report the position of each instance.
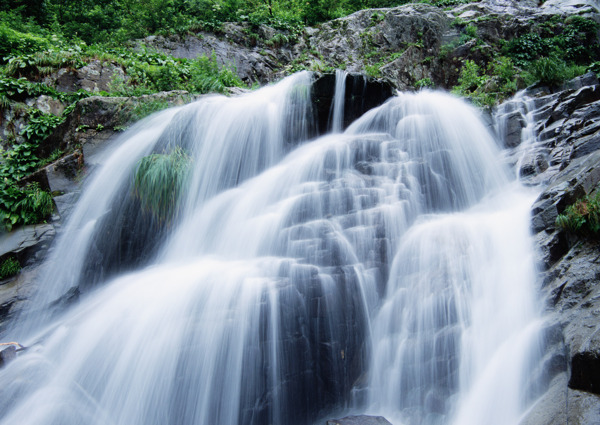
(383, 269)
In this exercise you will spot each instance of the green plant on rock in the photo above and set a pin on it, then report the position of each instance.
(159, 181)
(581, 217)
(27, 205)
(424, 83)
(9, 268)
(143, 109)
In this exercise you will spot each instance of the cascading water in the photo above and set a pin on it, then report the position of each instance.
(386, 269)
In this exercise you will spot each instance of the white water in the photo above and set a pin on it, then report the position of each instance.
(391, 261)
(337, 121)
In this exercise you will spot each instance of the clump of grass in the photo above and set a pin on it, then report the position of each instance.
(9, 268)
(552, 71)
(159, 181)
(581, 217)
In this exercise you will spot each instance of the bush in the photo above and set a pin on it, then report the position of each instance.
(16, 42)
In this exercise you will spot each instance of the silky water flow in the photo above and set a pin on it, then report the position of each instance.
(385, 270)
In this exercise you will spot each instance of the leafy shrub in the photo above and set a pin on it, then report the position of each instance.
(581, 217)
(28, 205)
(9, 268)
(159, 181)
(526, 48)
(13, 41)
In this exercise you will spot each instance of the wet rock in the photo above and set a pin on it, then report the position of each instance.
(361, 94)
(7, 354)
(514, 122)
(585, 371)
(14, 295)
(26, 243)
(359, 420)
(533, 164)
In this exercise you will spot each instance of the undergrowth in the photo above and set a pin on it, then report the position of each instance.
(9, 268)
(582, 217)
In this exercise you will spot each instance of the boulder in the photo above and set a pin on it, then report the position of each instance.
(94, 77)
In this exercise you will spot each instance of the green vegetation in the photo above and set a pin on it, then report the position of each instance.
(582, 217)
(39, 38)
(9, 268)
(159, 181)
(487, 88)
(549, 54)
(424, 83)
(20, 203)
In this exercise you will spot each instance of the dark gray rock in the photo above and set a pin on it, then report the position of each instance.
(25, 243)
(514, 124)
(361, 94)
(14, 295)
(410, 33)
(360, 420)
(7, 354)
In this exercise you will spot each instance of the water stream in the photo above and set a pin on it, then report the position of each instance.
(386, 269)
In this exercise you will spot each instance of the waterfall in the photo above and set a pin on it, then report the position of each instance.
(337, 107)
(386, 269)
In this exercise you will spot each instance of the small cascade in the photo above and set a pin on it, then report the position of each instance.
(386, 269)
(515, 124)
(337, 107)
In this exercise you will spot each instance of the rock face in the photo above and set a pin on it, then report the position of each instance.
(360, 95)
(255, 59)
(97, 119)
(566, 123)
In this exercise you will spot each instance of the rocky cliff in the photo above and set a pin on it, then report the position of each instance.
(404, 46)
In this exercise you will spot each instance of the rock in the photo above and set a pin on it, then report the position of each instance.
(585, 369)
(253, 64)
(361, 94)
(26, 243)
(359, 420)
(94, 77)
(47, 105)
(513, 124)
(97, 119)
(7, 354)
(413, 32)
(14, 295)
